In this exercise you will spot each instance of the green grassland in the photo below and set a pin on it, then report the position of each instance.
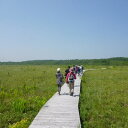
(104, 98)
(23, 91)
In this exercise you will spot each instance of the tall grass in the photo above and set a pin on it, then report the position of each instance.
(104, 98)
(23, 91)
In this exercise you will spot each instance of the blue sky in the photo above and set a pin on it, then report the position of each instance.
(63, 29)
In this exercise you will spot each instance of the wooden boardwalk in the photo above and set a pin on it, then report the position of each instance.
(61, 111)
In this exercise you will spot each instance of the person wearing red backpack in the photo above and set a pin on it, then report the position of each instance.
(70, 79)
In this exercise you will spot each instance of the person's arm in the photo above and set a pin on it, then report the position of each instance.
(67, 78)
(74, 76)
(56, 75)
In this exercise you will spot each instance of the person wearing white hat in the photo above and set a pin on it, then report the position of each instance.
(59, 81)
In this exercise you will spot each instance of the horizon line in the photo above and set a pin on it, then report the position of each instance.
(56, 60)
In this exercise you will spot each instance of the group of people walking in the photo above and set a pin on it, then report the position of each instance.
(70, 76)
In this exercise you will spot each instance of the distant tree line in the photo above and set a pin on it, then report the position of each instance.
(117, 61)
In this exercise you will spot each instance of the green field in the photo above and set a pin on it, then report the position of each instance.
(104, 98)
(23, 91)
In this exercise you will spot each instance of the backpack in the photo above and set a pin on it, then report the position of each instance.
(59, 77)
(71, 78)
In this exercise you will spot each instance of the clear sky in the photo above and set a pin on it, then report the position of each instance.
(63, 29)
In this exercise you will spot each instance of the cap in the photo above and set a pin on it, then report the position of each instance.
(58, 69)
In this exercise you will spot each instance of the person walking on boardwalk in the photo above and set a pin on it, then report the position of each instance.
(71, 79)
(59, 81)
(67, 71)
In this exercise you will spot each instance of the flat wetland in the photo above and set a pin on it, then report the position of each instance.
(24, 89)
(104, 98)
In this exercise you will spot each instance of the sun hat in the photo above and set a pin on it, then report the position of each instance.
(58, 69)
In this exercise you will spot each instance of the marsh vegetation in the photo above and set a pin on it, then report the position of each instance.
(104, 98)
(24, 89)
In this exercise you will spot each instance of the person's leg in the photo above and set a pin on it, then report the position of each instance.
(72, 89)
(59, 88)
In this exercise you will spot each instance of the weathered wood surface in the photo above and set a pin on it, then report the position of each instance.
(61, 111)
